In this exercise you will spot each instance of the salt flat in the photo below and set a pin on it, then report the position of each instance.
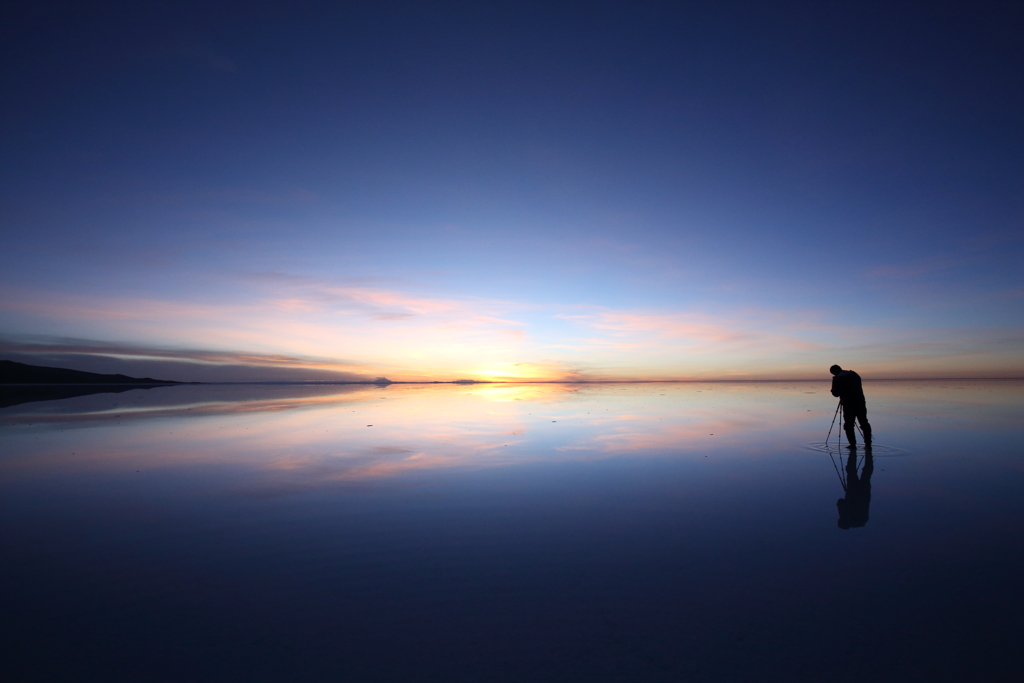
(505, 532)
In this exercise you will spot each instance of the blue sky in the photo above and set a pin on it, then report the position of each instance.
(513, 190)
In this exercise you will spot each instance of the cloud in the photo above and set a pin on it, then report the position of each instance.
(906, 271)
(183, 365)
(220, 196)
(284, 327)
(380, 303)
(695, 333)
(423, 337)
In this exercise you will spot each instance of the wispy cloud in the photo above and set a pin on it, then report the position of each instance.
(379, 302)
(285, 326)
(181, 364)
(689, 332)
(84, 346)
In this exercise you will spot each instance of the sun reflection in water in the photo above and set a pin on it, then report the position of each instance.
(307, 436)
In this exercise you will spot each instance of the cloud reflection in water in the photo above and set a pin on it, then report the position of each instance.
(287, 437)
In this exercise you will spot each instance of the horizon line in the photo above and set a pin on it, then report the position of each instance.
(599, 381)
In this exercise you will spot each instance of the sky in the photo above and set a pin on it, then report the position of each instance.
(228, 191)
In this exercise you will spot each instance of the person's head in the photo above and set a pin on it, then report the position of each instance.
(835, 369)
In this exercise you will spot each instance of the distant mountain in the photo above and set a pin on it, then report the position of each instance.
(21, 373)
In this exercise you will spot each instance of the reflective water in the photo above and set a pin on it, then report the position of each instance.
(646, 532)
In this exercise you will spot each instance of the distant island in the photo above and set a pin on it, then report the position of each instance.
(22, 373)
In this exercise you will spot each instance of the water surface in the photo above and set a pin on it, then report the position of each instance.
(644, 532)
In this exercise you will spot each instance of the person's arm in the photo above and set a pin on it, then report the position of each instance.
(835, 391)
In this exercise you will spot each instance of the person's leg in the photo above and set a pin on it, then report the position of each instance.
(851, 469)
(869, 468)
(848, 421)
(865, 426)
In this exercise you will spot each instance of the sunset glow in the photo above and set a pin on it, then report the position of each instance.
(388, 341)
(625, 210)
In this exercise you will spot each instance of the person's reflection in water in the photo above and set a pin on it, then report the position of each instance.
(853, 509)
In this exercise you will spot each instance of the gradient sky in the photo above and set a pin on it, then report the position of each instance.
(503, 190)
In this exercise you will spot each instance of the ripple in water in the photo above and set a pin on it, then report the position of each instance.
(877, 450)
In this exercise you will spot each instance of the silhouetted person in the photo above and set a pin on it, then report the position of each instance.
(853, 509)
(846, 385)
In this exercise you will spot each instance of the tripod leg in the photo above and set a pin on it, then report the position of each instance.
(833, 423)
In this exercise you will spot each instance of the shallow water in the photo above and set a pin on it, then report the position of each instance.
(643, 532)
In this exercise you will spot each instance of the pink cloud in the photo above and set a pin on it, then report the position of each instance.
(695, 333)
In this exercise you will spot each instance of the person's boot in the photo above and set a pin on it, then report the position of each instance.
(851, 436)
(867, 434)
